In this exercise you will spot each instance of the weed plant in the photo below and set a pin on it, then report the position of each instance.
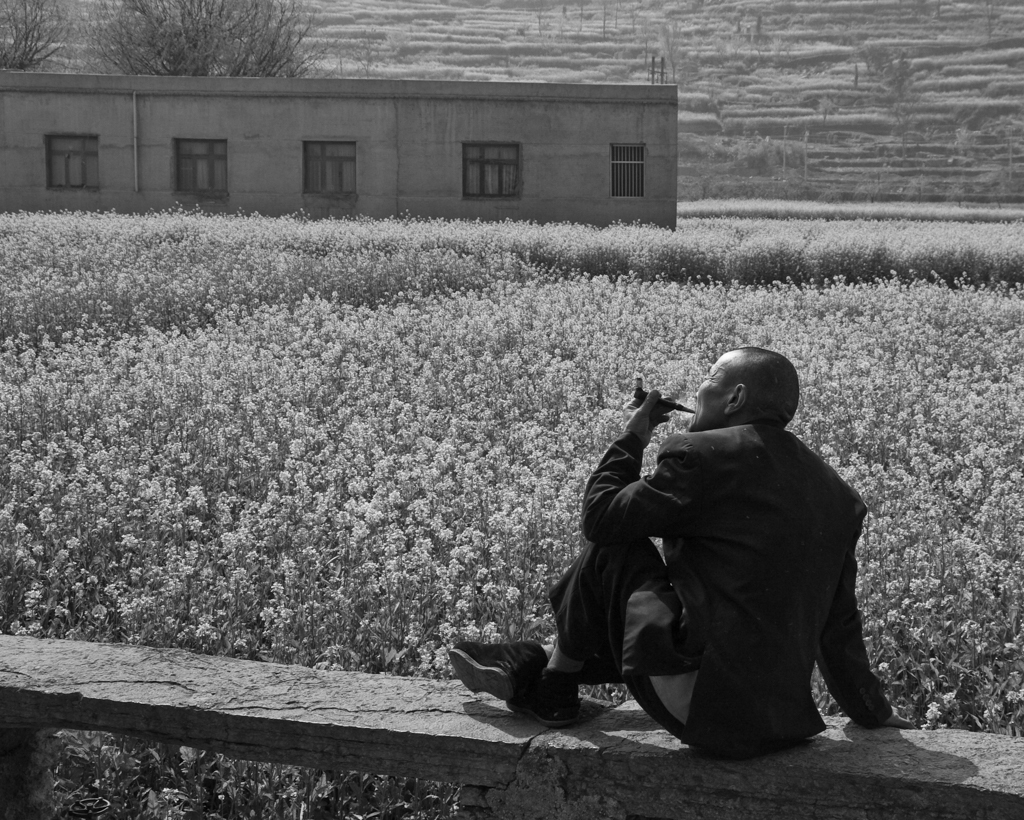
(223, 444)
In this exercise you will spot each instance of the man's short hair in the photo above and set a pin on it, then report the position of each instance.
(772, 382)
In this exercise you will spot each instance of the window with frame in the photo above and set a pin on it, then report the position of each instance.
(628, 170)
(72, 161)
(201, 166)
(490, 170)
(329, 167)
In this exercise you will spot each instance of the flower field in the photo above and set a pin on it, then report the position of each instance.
(72, 271)
(348, 445)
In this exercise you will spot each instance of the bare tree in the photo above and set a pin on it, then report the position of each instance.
(542, 7)
(671, 38)
(31, 31)
(221, 38)
(634, 10)
(1010, 129)
(826, 106)
(895, 76)
(991, 16)
(368, 49)
(898, 80)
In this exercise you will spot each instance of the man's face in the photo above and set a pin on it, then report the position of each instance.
(713, 396)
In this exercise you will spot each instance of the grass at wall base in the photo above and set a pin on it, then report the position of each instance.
(349, 444)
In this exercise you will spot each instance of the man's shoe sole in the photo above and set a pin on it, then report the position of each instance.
(478, 678)
(553, 724)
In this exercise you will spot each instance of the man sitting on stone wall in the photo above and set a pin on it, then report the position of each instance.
(717, 642)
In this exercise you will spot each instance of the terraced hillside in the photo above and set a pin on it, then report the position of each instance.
(826, 99)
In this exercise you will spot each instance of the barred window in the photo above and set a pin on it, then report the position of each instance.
(490, 170)
(628, 170)
(72, 162)
(201, 166)
(329, 167)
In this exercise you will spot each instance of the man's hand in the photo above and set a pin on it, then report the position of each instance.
(646, 417)
(898, 722)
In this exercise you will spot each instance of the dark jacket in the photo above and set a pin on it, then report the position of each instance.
(759, 535)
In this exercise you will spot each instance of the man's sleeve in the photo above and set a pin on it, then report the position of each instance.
(843, 659)
(619, 504)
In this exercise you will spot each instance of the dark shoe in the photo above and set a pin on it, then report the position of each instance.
(500, 669)
(554, 700)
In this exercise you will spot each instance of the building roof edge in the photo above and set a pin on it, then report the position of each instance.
(337, 87)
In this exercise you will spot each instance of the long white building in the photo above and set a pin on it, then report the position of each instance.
(338, 147)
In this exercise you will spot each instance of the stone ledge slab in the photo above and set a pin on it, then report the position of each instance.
(621, 764)
(617, 763)
(263, 711)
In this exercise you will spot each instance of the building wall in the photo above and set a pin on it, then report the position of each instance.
(409, 137)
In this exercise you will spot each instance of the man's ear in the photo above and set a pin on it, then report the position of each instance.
(737, 399)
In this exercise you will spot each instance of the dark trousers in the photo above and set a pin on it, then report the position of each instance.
(616, 611)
